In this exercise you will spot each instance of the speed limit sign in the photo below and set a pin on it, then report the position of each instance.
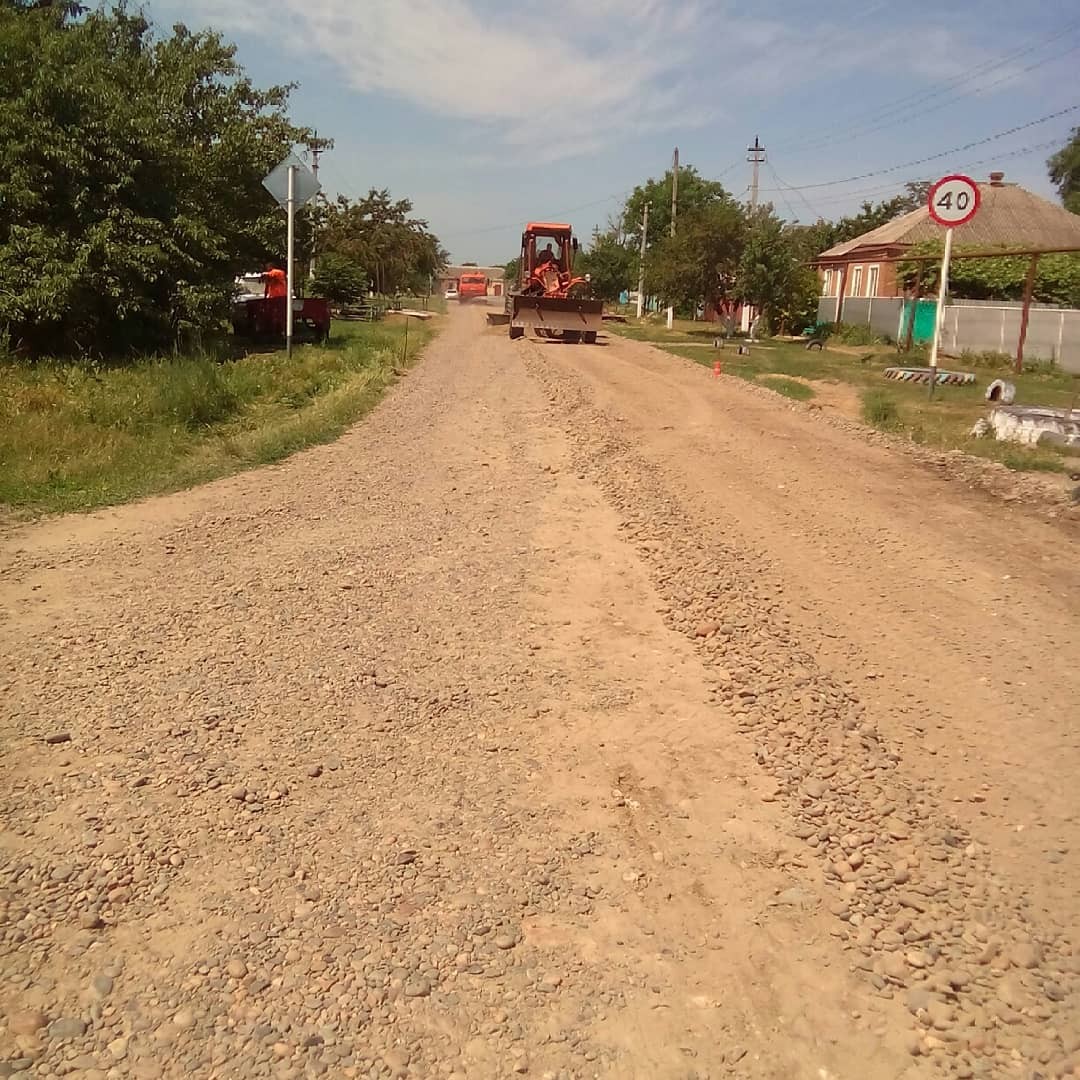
(954, 200)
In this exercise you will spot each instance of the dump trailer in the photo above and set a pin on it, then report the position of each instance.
(472, 287)
(547, 298)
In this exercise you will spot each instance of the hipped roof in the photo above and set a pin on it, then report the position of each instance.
(1009, 218)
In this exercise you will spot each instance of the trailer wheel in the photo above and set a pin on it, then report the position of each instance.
(589, 337)
(571, 337)
(516, 332)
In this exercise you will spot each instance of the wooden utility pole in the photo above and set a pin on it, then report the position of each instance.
(641, 265)
(1025, 314)
(316, 147)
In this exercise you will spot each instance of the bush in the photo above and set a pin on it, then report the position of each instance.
(880, 411)
(847, 334)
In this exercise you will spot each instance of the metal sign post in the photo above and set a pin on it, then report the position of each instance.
(953, 201)
(293, 184)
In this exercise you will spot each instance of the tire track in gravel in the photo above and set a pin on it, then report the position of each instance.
(923, 911)
(312, 807)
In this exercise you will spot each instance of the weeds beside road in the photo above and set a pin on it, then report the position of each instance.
(74, 436)
(943, 423)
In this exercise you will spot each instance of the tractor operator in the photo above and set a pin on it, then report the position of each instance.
(276, 282)
(547, 256)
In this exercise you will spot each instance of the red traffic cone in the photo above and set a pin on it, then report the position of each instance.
(717, 369)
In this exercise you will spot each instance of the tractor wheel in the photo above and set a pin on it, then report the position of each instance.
(516, 332)
(589, 337)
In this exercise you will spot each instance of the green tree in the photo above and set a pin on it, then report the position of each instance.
(398, 252)
(700, 263)
(773, 275)
(511, 272)
(1064, 169)
(696, 194)
(611, 265)
(338, 278)
(130, 179)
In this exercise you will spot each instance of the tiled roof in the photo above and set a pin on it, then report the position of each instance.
(1009, 217)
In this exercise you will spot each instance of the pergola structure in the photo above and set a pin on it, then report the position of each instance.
(1011, 222)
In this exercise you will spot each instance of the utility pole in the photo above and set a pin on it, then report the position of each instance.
(674, 215)
(641, 263)
(757, 159)
(315, 147)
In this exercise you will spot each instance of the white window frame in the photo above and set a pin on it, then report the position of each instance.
(856, 281)
(873, 279)
(826, 285)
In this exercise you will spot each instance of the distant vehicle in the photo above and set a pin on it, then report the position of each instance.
(451, 293)
(472, 286)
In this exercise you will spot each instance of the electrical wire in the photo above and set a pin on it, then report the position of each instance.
(948, 102)
(909, 101)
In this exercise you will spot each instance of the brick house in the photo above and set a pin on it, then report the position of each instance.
(1009, 217)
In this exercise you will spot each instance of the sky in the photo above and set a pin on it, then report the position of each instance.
(489, 113)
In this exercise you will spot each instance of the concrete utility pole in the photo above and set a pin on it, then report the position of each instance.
(757, 159)
(641, 266)
(315, 147)
(674, 215)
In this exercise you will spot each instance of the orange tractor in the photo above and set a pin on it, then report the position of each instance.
(547, 297)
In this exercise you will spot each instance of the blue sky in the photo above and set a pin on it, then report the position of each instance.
(488, 112)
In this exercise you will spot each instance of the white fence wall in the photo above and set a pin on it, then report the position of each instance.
(1053, 333)
(975, 325)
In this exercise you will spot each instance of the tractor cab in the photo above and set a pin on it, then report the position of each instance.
(545, 243)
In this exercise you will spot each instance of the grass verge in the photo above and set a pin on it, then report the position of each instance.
(905, 409)
(75, 437)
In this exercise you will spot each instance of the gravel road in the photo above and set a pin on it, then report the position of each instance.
(575, 715)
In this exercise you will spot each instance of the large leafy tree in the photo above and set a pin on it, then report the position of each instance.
(1065, 172)
(695, 195)
(611, 265)
(700, 263)
(397, 251)
(772, 272)
(130, 179)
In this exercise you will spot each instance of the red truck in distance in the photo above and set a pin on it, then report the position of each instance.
(472, 287)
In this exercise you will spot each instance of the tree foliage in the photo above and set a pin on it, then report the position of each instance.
(611, 264)
(1064, 169)
(696, 195)
(772, 272)
(1057, 278)
(130, 179)
(339, 278)
(397, 252)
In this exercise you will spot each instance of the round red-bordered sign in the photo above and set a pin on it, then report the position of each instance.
(954, 200)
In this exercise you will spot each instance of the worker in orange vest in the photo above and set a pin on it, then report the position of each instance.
(276, 282)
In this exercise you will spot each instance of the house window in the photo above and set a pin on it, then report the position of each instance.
(872, 275)
(826, 288)
(856, 281)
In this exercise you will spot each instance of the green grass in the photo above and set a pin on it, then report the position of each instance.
(74, 436)
(788, 387)
(902, 408)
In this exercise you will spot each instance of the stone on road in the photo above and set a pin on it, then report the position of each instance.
(526, 730)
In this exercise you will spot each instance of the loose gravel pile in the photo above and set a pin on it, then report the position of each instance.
(991, 985)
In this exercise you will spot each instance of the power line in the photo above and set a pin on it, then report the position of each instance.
(1018, 152)
(948, 102)
(909, 101)
(943, 153)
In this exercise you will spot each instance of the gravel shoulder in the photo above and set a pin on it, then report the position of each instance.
(509, 735)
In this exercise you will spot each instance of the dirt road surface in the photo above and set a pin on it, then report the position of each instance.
(576, 715)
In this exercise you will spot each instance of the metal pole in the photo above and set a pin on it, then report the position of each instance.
(641, 262)
(290, 207)
(1025, 314)
(757, 156)
(943, 288)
